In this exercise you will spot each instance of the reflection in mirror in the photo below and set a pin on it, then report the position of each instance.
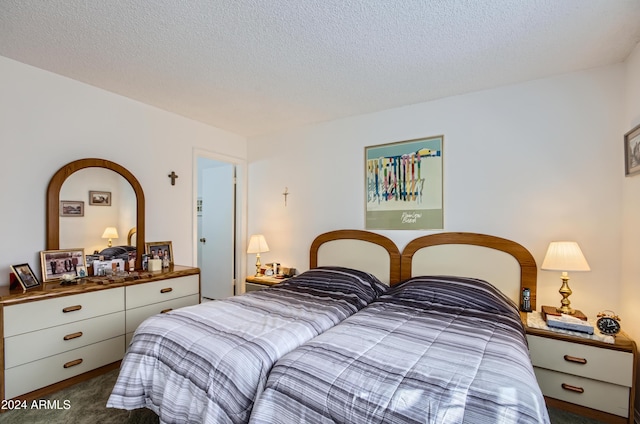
(118, 212)
(131, 237)
(88, 232)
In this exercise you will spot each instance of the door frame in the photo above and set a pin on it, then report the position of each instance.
(240, 214)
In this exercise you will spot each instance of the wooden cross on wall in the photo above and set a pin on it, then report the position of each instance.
(173, 177)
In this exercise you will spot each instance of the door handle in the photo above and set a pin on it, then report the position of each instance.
(203, 240)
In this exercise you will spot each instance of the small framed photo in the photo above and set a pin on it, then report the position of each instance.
(71, 208)
(25, 276)
(56, 263)
(632, 152)
(161, 249)
(100, 198)
(81, 271)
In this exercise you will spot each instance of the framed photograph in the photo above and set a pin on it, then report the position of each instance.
(403, 185)
(25, 276)
(56, 263)
(159, 249)
(100, 198)
(632, 152)
(71, 208)
(81, 271)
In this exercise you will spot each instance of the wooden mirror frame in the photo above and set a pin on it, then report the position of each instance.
(53, 201)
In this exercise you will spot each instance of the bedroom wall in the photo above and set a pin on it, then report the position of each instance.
(630, 278)
(532, 162)
(47, 121)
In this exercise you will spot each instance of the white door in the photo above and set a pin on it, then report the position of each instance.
(216, 228)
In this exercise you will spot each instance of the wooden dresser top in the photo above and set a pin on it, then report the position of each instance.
(50, 290)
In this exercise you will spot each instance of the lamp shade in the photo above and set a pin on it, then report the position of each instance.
(564, 256)
(257, 244)
(110, 232)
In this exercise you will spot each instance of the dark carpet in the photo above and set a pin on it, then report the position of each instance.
(85, 404)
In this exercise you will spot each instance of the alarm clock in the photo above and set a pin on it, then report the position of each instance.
(608, 322)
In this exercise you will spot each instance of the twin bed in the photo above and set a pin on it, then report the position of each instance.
(335, 344)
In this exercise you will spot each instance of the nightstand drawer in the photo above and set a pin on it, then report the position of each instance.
(597, 363)
(599, 395)
(249, 287)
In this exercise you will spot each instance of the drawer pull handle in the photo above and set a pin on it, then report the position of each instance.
(571, 388)
(164, 311)
(72, 308)
(73, 335)
(574, 359)
(167, 290)
(73, 363)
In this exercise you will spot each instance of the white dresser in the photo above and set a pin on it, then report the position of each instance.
(147, 299)
(587, 377)
(58, 336)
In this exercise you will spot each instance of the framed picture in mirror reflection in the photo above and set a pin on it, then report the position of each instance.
(100, 198)
(71, 208)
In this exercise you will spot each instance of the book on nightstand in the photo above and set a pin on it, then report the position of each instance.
(553, 311)
(575, 322)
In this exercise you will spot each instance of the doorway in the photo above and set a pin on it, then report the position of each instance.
(216, 233)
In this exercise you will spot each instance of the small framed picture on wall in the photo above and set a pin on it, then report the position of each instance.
(632, 152)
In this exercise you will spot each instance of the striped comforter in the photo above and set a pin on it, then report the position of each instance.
(208, 363)
(431, 350)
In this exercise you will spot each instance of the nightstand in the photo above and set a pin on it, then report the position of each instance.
(585, 376)
(253, 283)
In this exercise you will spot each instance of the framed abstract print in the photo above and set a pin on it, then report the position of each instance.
(404, 188)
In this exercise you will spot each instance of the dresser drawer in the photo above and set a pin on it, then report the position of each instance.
(172, 288)
(599, 395)
(36, 345)
(33, 316)
(597, 363)
(34, 375)
(137, 315)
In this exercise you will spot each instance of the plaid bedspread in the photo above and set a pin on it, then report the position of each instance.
(208, 363)
(434, 350)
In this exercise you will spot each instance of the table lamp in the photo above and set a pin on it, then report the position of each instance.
(565, 256)
(257, 245)
(110, 233)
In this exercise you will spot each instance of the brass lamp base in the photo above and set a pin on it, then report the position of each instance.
(257, 265)
(565, 291)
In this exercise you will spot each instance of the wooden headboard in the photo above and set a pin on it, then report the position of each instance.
(357, 249)
(504, 263)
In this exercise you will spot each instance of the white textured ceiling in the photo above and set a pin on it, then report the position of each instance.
(258, 66)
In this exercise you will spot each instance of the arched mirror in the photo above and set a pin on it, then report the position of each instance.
(60, 230)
